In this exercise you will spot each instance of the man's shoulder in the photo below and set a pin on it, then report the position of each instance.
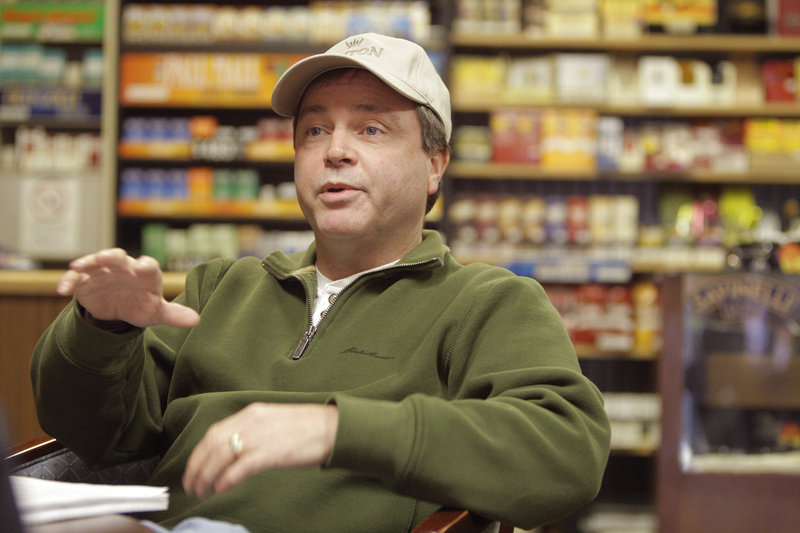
(208, 275)
(479, 274)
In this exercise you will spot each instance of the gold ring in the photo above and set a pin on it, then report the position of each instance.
(236, 444)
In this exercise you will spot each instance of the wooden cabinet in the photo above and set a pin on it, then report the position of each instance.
(28, 304)
(727, 462)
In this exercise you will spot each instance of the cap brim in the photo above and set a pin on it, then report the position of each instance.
(290, 87)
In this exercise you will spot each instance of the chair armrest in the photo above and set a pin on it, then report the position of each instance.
(29, 451)
(456, 521)
(46, 458)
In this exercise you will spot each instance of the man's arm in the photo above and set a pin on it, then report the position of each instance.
(94, 387)
(520, 435)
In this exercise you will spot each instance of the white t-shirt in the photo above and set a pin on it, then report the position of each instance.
(328, 290)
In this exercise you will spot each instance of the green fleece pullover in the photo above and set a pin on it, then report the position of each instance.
(456, 385)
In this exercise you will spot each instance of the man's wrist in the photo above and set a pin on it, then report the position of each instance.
(112, 326)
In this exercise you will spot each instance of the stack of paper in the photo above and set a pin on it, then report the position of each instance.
(41, 501)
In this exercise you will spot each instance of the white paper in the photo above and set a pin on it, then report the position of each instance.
(41, 501)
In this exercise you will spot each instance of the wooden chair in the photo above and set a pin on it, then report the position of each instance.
(46, 458)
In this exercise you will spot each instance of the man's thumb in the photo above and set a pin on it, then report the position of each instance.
(179, 316)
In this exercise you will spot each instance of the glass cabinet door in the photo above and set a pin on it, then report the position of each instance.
(741, 382)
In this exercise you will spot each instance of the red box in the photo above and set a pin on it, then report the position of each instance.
(779, 82)
(516, 136)
(789, 17)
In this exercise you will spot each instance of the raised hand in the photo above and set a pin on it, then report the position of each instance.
(111, 285)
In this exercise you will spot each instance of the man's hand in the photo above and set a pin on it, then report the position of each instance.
(111, 285)
(267, 436)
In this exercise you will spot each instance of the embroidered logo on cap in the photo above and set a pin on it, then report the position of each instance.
(370, 50)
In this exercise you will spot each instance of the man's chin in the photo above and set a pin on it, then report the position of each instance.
(339, 231)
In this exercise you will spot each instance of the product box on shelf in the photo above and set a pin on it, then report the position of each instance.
(201, 79)
(478, 16)
(773, 143)
(78, 21)
(788, 17)
(610, 143)
(622, 19)
(778, 76)
(569, 139)
(476, 78)
(745, 16)
(529, 80)
(318, 22)
(581, 77)
(472, 143)
(516, 135)
(622, 85)
(572, 19)
(202, 138)
(680, 16)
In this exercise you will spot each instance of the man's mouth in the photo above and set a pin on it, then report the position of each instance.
(337, 187)
(338, 192)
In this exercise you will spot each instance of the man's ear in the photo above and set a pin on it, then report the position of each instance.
(438, 164)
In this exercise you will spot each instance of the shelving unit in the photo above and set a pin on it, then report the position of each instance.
(632, 473)
(53, 121)
(521, 171)
(738, 43)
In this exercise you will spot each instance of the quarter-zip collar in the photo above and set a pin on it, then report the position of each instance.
(428, 254)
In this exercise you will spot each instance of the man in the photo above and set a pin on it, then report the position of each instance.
(357, 386)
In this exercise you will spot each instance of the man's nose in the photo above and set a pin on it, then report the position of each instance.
(340, 150)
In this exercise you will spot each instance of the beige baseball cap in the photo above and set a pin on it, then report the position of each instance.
(401, 64)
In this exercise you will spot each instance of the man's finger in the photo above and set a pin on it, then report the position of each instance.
(179, 316)
(68, 282)
(114, 258)
(207, 461)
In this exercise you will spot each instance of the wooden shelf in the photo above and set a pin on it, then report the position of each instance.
(490, 103)
(594, 354)
(522, 171)
(650, 260)
(639, 451)
(244, 210)
(746, 44)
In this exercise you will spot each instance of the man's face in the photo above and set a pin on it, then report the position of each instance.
(360, 170)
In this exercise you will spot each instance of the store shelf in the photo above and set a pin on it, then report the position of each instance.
(50, 104)
(579, 265)
(594, 354)
(244, 210)
(746, 44)
(294, 47)
(638, 451)
(182, 153)
(490, 103)
(522, 171)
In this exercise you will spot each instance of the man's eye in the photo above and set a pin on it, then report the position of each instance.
(313, 131)
(371, 130)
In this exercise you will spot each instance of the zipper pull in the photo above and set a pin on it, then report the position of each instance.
(303, 344)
